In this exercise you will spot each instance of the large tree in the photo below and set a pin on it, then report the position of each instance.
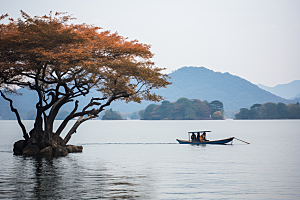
(63, 61)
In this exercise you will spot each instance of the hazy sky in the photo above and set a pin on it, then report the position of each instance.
(258, 40)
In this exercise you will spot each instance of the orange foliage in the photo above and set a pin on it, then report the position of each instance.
(49, 51)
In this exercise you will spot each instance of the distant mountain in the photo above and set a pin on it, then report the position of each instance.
(204, 84)
(288, 91)
(297, 96)
(190, 82)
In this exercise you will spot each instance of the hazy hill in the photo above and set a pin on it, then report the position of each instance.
(190, 82)
(288, 91)
(24, 103)
(297, 96)
(205, 84)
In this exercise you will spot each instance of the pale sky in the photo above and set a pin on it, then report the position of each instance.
(258, 40)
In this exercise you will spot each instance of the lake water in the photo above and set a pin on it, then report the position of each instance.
(142, 160)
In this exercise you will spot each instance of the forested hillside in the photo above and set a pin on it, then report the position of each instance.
(202, 83)
(184, 109)
(270, 111)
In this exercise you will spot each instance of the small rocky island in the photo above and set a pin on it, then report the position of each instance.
(54, 148)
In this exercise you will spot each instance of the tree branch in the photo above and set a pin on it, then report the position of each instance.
(91, 114)
(25, 134)
(66, 121)
(75, 126)
(140, 88)
(54, 110)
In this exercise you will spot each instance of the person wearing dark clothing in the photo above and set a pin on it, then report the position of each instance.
(193, 137)
(198, 136)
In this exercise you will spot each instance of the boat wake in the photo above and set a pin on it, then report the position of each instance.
(126, 143)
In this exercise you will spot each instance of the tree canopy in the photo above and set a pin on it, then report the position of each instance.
(62, 61)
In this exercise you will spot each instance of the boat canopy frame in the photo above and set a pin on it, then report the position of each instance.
(198, 131)
(191, 132)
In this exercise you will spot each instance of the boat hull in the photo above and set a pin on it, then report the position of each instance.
(223, 141)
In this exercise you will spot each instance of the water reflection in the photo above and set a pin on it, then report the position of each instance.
(45, 178)
(69, 178)
(143, 163)
(37, 178)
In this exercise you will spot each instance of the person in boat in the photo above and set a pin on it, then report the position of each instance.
(193, 137)
(203, 137)
(198, 136)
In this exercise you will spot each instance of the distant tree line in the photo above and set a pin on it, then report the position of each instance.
(31, 115)
(184, 109)
(111, 115)
(270, 111)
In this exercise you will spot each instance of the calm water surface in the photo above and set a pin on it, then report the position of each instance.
(141, 160)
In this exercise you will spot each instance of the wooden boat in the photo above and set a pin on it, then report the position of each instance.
(223, 141)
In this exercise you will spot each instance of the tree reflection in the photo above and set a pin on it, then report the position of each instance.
(66, 177)
(47, 180)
